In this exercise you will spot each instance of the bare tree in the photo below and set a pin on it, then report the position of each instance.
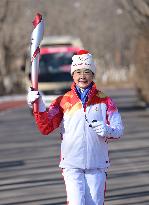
(105, 29)
(139, 11)
(13, 41)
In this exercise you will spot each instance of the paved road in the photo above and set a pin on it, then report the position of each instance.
(29, 173)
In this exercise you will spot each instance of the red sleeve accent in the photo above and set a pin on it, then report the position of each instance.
(111, 106)
(49, 120)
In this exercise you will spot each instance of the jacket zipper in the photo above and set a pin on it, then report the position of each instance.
(85, 139)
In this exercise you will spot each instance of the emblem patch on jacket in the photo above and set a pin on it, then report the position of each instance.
(96, 108)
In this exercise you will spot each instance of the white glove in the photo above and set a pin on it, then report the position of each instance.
(32, 96)
(100, 128)
(105, 130)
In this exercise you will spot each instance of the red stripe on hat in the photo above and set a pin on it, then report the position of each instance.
(80, 52)
(37, 20)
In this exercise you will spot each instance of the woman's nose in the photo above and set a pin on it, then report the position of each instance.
(82, 76)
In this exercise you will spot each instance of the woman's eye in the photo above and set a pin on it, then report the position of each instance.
(87, 72)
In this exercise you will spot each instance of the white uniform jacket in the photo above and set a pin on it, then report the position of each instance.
(81, 147)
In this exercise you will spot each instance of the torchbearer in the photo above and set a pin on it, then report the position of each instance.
(37, 36)
(88, 120)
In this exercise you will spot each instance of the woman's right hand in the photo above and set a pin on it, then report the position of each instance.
(34, 95)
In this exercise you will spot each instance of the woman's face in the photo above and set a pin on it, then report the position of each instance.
(83, 77)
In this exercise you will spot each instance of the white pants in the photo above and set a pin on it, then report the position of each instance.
(85, 187)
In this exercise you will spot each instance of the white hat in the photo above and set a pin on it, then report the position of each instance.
(83, 60)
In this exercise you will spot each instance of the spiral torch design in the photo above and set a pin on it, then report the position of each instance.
(37, 36)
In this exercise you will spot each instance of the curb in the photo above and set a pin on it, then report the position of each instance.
(10, 102)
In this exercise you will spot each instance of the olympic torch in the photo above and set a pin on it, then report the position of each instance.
(37, 36)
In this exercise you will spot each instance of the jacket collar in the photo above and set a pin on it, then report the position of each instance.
(73, 85)
(92, 91)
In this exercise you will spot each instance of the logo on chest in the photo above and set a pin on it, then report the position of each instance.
(96, 109)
